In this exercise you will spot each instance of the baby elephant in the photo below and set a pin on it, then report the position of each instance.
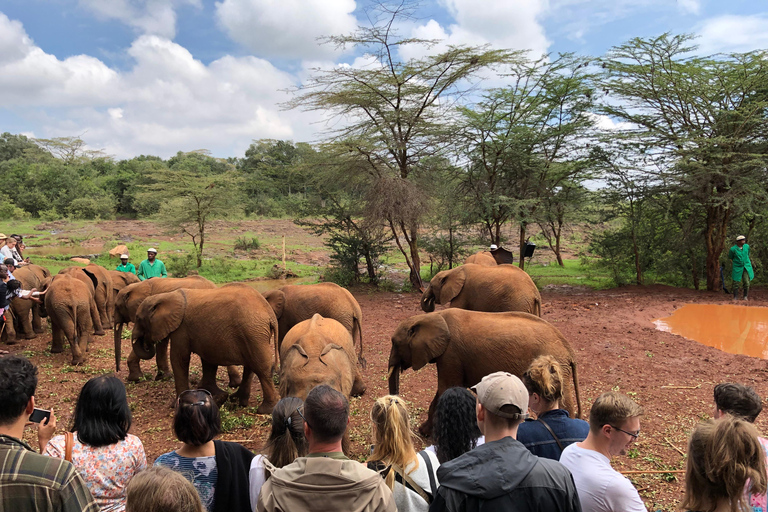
(69, 305)
(319, 351)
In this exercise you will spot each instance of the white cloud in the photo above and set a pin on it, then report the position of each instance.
(157, 17)
(514, 24)
(286, 28)
(689, 6)
(168, 101)
(733, 33)
(605, 123)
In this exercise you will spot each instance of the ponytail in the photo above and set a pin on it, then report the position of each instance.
(545, 377)
(393, 436)
(286, 440)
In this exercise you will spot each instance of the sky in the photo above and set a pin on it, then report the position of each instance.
(154, 77)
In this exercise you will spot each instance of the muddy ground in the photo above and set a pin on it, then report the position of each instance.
(611, 332)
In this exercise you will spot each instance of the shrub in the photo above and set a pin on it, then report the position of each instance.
(179, 265)
(245, 244)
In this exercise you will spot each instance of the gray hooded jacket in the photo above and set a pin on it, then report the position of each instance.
(504, 475)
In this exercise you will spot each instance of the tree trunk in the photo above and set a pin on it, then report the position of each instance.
(717, 223)
(522, 246)
(371, 268)
(694, 270)
(497, 236)
(415, 274)
(638, 268)
(450, 249)
(557, 248)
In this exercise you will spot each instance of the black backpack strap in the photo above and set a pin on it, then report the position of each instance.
(432, 482)
(559, 444)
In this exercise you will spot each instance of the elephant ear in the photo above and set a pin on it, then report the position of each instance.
(300, 350)
(328, 348)
(166, 313)
(428, 339)
(93, 278)
(452, 285)
(45, 283)
(276, 299)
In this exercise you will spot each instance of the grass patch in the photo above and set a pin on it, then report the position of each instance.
(574, 273)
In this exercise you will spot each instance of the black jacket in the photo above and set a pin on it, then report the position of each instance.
(233, 462)
(504, 475)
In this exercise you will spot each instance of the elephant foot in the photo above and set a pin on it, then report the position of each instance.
(77, 361)
(57, 350)
(134, 377)
(235, 382)
(264, 408)
(358, 389)
(425, 430)
(13, 342)
(161, 375)
(29, 336)
(99, 333)
(39, 330)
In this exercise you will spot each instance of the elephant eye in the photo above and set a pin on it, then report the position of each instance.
(412, 330)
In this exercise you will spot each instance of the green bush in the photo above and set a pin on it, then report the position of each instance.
(179, 265)
(244, 244)
(92, 207)
(340, 276)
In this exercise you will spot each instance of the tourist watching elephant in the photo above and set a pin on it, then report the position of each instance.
(159, 489)
(98, 442)
(285, 444)
(552, 430)
(455, 428)
(218, 469)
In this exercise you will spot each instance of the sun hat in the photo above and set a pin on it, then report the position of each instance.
(2, 236)
(152, 249)
(500, 389)
(123, 256)
(740, 237)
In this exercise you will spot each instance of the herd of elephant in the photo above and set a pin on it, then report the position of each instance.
(313, 332)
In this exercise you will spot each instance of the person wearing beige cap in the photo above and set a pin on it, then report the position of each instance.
(151, 267)
(502, 474)
(742, 272)
(124, 266)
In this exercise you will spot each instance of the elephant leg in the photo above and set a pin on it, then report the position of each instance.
(234, 376)
(161, 357)
(358, 387)
(209, 382)
(243, 394)
(425, 430)
(57, 341)
(10, 329)
(268, 391)
(106, 320)
(70, 332)
(180, 364)
(98, 329)
(37, 321)
(134, 367)
(26, 323)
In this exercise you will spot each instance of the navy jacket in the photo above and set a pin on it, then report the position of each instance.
(540, 442)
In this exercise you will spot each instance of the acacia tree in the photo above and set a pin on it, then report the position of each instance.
(522, 142)
(702, 120)
(394, 113)
(558, 209)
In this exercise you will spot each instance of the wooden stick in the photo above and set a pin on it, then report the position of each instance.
(681, 387)
(284, 268)
(681, 452)
(651, 471)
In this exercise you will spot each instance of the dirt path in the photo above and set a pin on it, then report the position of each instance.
(611, 332)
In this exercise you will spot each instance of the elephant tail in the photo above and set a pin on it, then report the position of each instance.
(576, 388)
(359, 330)
(273, 330)
(537, 306)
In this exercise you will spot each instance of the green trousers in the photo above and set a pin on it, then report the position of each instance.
(743, 283)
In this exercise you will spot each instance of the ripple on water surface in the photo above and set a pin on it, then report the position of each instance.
(733, 329)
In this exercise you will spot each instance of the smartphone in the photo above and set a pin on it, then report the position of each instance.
(38, 415)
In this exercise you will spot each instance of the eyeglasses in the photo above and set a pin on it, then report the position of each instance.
(197, 402)
(300, 410)
(634, 435)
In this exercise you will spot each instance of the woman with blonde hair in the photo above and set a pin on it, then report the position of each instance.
(553, 429)
(725, 459)
(412, 477)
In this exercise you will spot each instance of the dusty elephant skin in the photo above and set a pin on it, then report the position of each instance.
(478, 288)
(31, 276)
(119, 281)
(295, 303)
(484, 258)
(91, 281)
(231, 325)
(69, 306)
(319, 351)
(468, 345)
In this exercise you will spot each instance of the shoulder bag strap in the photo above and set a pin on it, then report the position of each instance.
(69, 441)
(409, 483)
(559, 444)
(432, 483)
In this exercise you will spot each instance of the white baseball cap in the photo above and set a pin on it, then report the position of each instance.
(740, 237)
(123, 256)
(152, 249)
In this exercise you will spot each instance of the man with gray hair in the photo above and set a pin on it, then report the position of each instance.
(614, 424)
(502, 474)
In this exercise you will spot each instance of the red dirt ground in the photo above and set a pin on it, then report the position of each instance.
(611, 332)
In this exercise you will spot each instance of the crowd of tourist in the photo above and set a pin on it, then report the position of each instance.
(487, 453)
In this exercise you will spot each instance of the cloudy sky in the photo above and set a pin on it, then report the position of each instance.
(159, 76)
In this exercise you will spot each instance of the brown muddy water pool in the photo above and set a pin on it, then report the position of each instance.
(733, 329)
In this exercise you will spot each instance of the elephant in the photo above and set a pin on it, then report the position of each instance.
(319, 351)
(69, 305)
(492, 258)
(127, 303)
(295, 303)
(120, 280)
(468, 345)
(231, 325)
(91, 281)
(31, 276)
(479, 288)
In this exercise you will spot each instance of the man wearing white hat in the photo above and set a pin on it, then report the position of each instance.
(151, 267)
(502, 474)
(124, 266)
(742, 272)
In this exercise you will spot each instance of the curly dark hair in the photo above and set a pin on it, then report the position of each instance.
(455, 429)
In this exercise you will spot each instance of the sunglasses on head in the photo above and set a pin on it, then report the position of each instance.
(193, 393)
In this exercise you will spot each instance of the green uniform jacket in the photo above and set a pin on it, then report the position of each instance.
(157, 269)
(128, 267)
(741, 262)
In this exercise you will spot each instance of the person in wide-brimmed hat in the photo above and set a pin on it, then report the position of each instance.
(742, 272)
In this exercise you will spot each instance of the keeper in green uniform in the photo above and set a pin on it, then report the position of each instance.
(124, 266)
(742, 268)
(151, 267)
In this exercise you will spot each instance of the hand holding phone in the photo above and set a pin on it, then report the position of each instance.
(47, 427)
(39, 415)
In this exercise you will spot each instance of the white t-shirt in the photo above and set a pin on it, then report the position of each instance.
(432, 448)
(407, 500)
(256, 478)
(601, 488)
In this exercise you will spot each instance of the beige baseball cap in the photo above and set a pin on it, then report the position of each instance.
(740, 237)
(123, 256)
(152, 249)
(499, 389)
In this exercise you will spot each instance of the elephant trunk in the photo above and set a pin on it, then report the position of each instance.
(143, 350)
(428, 300)
(394, 372)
